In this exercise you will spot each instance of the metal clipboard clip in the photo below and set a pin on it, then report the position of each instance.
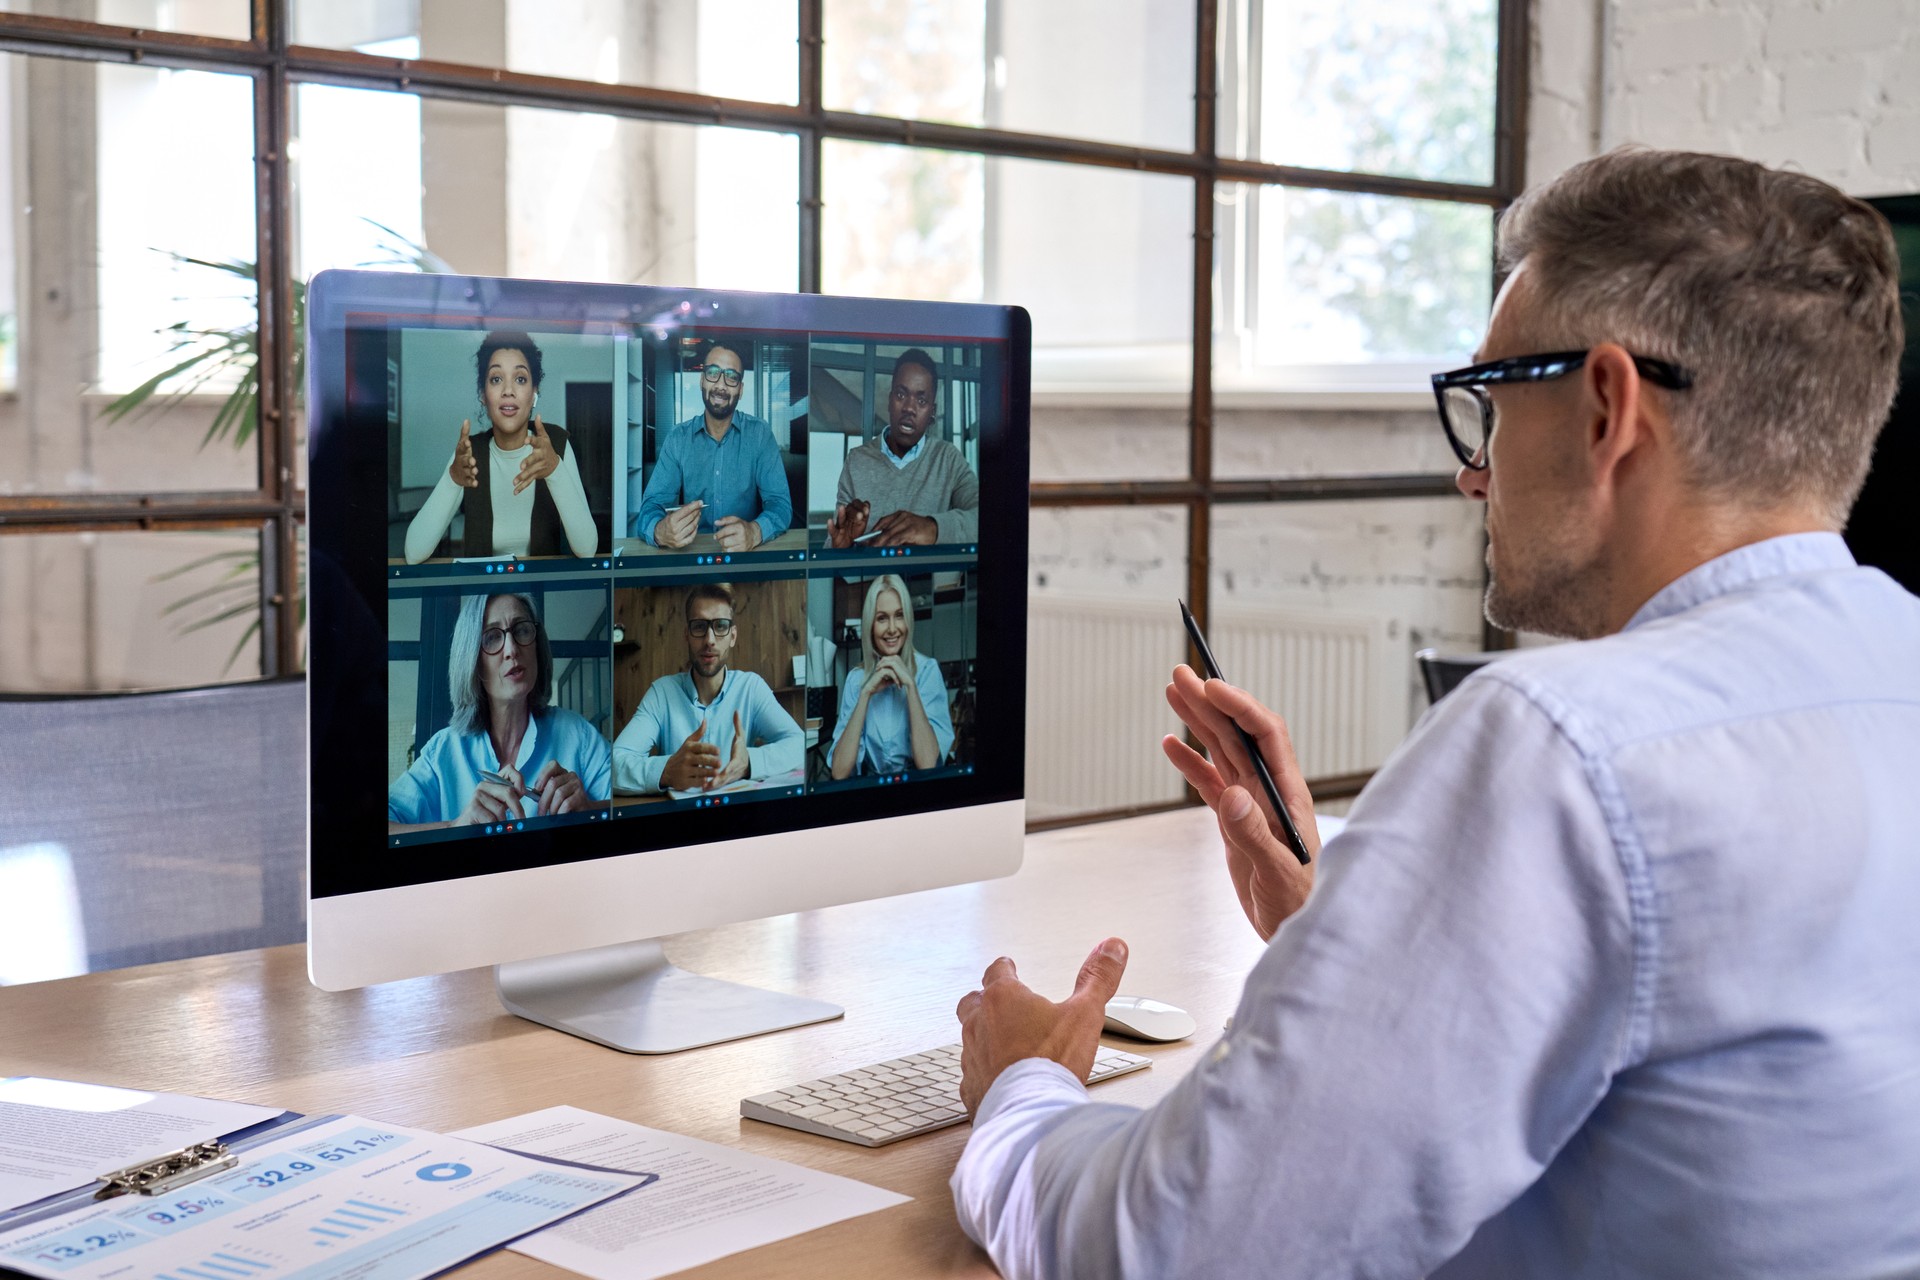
(175, 1169)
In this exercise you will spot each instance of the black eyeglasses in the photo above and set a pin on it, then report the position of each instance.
(720, 373)
(1466, 410)
(494, 639)
(698, 627)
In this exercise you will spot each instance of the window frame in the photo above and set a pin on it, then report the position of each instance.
(276, 65)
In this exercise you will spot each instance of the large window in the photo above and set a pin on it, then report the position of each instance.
(1245, 229)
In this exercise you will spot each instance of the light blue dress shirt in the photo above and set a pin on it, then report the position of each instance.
(739, 475)
(670, 711)
(901, 461)
(1615, 971)
(441, 780)
(886, 741)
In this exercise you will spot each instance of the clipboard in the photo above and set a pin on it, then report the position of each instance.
(162, 1174)
(335, 1195)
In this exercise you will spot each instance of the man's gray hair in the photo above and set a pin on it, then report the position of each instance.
(463, 663)
(1778, 292)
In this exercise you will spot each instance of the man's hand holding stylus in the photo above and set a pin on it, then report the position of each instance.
(1270, 881)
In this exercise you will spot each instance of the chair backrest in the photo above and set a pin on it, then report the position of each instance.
(1443, 672)
(181, 815)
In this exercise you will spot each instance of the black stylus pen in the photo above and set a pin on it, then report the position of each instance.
(1253, 749)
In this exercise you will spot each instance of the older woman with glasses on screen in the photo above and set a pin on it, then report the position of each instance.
(893, 709)
(506, 754)
(718, 472)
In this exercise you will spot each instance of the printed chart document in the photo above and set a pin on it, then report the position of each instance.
(341, 1198)
(710, 1201)
(56, 1135)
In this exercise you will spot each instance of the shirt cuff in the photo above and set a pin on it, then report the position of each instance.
(994, 1197)
(1029, 1080)
(636, 772)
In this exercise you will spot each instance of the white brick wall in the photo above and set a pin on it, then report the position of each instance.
(1831, 89)
(1414, 563)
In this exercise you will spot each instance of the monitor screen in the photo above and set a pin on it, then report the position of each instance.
(635, 574)
(1880, 529)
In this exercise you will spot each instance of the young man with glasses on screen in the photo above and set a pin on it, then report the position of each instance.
(1613, 971)
(907, 488)
(694, 730)
(718, 472)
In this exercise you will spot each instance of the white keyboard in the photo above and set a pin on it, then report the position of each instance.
(889, 1101)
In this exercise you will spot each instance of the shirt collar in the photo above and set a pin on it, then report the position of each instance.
(898, 461)
(527, 741)
(1743, 567)
(693, 690)
(697, 425)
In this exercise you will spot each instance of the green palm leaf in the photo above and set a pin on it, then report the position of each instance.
(203, 355)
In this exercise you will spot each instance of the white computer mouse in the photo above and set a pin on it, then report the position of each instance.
(1145, 1019)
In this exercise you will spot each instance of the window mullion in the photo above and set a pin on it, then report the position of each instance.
(280, 586)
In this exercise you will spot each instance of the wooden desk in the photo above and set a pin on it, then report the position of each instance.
(441, 1053)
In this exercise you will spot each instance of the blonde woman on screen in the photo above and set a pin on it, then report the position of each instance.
(893, 708)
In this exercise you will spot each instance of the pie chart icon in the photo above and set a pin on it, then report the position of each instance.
(442, 1172)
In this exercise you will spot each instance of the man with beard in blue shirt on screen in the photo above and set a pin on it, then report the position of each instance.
(719, 472)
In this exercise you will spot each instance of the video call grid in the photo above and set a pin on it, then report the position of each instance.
(660, 569)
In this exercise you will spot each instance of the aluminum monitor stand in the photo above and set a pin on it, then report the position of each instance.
(628, 997)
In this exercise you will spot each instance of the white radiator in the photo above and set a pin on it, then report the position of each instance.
(1338, 679)
(1096, 711)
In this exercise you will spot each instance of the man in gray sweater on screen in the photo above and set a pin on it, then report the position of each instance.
(907, 488)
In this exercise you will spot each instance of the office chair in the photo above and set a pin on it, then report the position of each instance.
(160, 825)
(1443, 672)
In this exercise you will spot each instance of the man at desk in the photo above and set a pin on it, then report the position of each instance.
(1611, 972)
(718, 472)
(710, 714)
(907, 488)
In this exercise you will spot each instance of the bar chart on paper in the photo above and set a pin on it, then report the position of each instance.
(220, 1265)
(344, 1197)
(356, 1216)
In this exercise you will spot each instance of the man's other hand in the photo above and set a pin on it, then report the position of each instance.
(677, 527)
(737, 759)
(1270, 881)
(849, 522)
(736, 534)
(693, 765)
(1005, 1022)
(903, 528)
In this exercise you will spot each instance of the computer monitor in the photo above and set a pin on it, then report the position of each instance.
(1880, 529)
(670, 608)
